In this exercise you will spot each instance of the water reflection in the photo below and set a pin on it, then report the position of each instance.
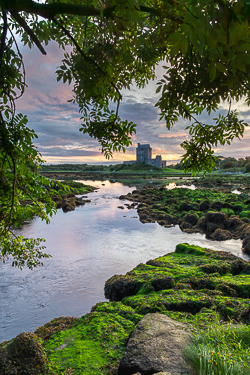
(88, 246)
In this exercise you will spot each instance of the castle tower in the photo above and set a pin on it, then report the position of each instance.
(143, 153)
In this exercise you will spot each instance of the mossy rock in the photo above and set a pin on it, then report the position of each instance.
(24, 354)
(55, 325)
(119, 286)
(94, 345)
(238, 208)
(245, 214)
(228, 211)
(189, 249)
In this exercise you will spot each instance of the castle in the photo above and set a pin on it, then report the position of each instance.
(144, 155)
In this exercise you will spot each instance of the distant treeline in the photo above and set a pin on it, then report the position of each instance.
(230, 163)
(95, 168)
(227, 164)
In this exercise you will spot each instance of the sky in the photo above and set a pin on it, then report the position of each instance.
(57, 122)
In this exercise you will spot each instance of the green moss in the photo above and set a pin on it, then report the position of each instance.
(95, 344)
(228, 211)
(189, 249)
(193, 285)
(245, 214)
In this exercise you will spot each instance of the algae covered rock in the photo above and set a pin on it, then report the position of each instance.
(221, 235)
(246, 244)
(163, 283)
(23, 355)
(191, 218)
(119, 286)
(156, 345)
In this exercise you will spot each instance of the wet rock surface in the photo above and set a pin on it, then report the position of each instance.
(155, 346)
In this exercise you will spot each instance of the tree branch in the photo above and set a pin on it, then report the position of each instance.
(28, 30)
(87, 58)
(49, 11)
(3, 36)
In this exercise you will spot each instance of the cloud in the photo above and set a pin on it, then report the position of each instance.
(57, 121)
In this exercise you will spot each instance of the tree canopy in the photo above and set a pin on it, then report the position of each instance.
(112, 44)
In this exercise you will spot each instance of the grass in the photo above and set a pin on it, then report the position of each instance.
(220, 349)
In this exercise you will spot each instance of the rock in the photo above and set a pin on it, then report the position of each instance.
(216, 206)
(221, 235)
(155, 346)
(185, 207)
(119, 286)
(170, 219)
(243, 230)
(121, 207)
(211, 228)
(216, 217)
(245, 220)
(232, 222)
(80, 202)
(204, 205)
(68, 204)
(24, 355)
(191, 218)
(202, 223)
(184, 225)
(163, 283)
(246, 244)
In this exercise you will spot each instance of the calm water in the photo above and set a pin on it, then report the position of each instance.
(88, 246)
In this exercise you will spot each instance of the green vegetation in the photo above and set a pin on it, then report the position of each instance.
(179, 202)
(206, 289)
(220, 349)
(66, 187)
(99, 168)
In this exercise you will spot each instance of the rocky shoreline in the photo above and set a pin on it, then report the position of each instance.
(191, 285)
(221, 216)
(166, 297)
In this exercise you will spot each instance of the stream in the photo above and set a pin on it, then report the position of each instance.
(88, 246)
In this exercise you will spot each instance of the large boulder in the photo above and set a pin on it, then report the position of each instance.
(191, 218)
(156, 345)
(23, 355)
(119, 286)
(216, 217)
(246, 244)
(204, 206)
(202, 223)
(221, 235)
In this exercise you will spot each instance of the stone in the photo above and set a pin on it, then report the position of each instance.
(216, 206)
(191, 218)
(202, 223)
(161, 283)
(216, 217)
(170, 219)
(204, 205)
(184, 225)
(186, 206)
(119, 286)
(221, 235)
(246, 244)
(23, 355)
(156, 346)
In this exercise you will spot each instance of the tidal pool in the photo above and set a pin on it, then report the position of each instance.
(88, 246)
